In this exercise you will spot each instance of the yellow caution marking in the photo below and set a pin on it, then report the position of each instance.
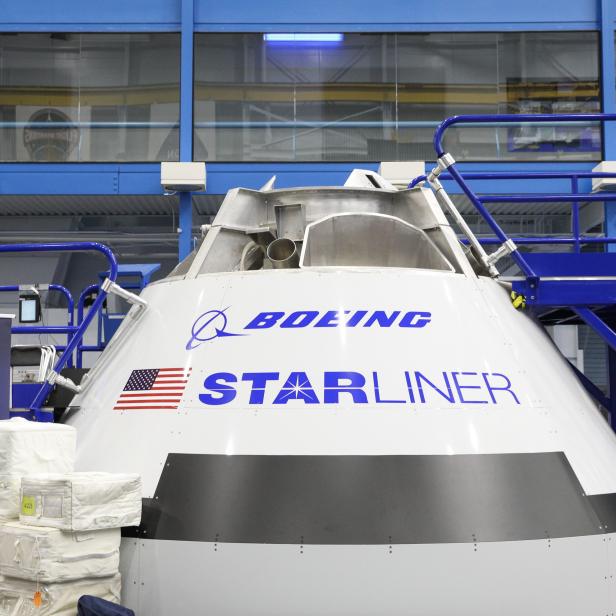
(518, 300)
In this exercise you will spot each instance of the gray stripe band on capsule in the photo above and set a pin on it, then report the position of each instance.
(368, 500)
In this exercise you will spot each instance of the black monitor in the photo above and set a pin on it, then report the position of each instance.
(29, 308)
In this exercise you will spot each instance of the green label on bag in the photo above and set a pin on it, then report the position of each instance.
(28, 505)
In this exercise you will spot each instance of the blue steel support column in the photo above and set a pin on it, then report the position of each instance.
(611, 355)
(608, 100)
(575, 214)
(5, 365)
(186, 120)
(608, 103)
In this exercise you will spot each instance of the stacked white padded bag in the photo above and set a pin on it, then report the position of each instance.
(55, 565)
(81, 501)
(30, 447)
(51, 555)
(59, 599)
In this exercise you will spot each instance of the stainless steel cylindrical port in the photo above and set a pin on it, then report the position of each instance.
(283, 253)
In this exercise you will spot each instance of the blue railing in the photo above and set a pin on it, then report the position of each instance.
(574, 177)
(69, 329)
(99, 346)
(584, 283)
(575, 197)
(84, 323)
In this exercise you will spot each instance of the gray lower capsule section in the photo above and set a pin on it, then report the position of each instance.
(368, 500)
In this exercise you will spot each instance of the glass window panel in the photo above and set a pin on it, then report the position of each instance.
(549, 72)
(379, 96)
(244, 100)
(523, 72)
(440, 75)
(89, 97)
(258, 100)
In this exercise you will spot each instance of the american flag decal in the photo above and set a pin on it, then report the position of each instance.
(153, 388)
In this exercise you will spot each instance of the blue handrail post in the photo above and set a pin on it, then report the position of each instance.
(608, 99)
(609, 336)
(611, 364)
(608, 75)
(46, 387)
(186, 119)
(480, 207)
(575, 214)
(93, 288)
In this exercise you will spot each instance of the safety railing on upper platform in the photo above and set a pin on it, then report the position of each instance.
(583, 283)
(447, 170)
(69, 329)
(108, 286)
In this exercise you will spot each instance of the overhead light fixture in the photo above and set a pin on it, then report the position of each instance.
(303, 37)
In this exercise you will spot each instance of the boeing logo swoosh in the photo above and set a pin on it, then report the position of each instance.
(213, 323)
(210, 325)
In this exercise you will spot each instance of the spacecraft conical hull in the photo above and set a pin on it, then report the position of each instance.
(352, 441)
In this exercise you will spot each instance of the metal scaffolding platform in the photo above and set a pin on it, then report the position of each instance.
(559, 287)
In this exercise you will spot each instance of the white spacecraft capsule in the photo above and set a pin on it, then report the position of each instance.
(335, 412)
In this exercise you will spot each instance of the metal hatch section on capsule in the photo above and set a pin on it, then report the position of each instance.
(335, 410)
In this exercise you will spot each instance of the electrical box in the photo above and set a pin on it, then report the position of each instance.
(604, 184)
(182, 177)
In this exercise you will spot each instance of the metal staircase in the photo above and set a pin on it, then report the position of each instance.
(566, 287)
(74, 333)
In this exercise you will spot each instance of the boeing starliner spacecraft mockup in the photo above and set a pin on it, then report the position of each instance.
(335, 410)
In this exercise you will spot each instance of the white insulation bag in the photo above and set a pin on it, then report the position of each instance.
(81, 501)
(52, 555)
(31, 447)
(16, 596)
(9, 495)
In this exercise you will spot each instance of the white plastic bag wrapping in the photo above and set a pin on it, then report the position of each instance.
(52, 555)
(31, 447)
(16, 596)
(36, 447)
(81, 501)
(10, 485)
